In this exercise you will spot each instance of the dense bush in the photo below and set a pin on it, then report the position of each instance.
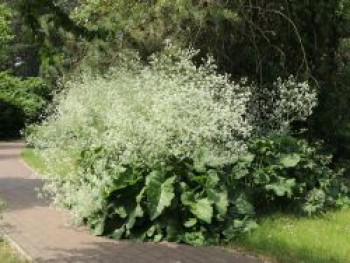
(167, 152)
(290, 175)
(9, 119)
(192, 201)
(271, 36)
(22, 101)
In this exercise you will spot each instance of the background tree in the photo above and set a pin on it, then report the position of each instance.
(261, 40)
(5, 31)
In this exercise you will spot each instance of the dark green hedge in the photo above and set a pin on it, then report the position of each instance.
(21, 102)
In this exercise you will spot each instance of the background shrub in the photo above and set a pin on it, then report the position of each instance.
(9, 119)
(288, 174)
(22, 101)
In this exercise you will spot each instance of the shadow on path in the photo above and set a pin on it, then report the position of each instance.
(4, 157)
(21, 193)
(128, 252)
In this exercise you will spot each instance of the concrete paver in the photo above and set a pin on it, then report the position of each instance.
(43, 233)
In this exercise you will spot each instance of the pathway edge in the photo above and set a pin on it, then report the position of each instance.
(18, 248)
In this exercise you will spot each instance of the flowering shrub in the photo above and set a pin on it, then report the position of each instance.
(274, 109)
(170, 108)
(161, 152)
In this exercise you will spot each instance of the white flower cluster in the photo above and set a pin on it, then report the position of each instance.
(273, 109)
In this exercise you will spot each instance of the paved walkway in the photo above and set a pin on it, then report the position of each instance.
(43, 233)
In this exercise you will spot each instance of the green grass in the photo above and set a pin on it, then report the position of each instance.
(37, 163)
(33, 160)
(8, 254)
(309, 240)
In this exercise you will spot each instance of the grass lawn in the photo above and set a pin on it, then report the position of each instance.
(33, 160)
(308, 240)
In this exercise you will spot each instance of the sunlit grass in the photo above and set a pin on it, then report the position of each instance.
(8, 254)
(310, 240)
(33, 160)
(37, 163)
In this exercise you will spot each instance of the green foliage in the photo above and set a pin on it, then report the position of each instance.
(18, 55)
(11, 119)
(168, 151)
(261, 40)
(33, 11)
(5, 32)
(292, 175)
(200, 203)
(274, 38)
(332, 119)
(21, 102)
(159, 193)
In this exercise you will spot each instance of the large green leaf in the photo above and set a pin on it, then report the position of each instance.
(290, 160)
(212, 179)
(216, 193)
(283, 187)
(121, 212)
(190, 222)
(159, 192)
(203, 210)
(194, 238)
(118, 233)
(242, 204)
(123, 179)
(220, 199)
(135, 212)
(97, 224)
(97, 227)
